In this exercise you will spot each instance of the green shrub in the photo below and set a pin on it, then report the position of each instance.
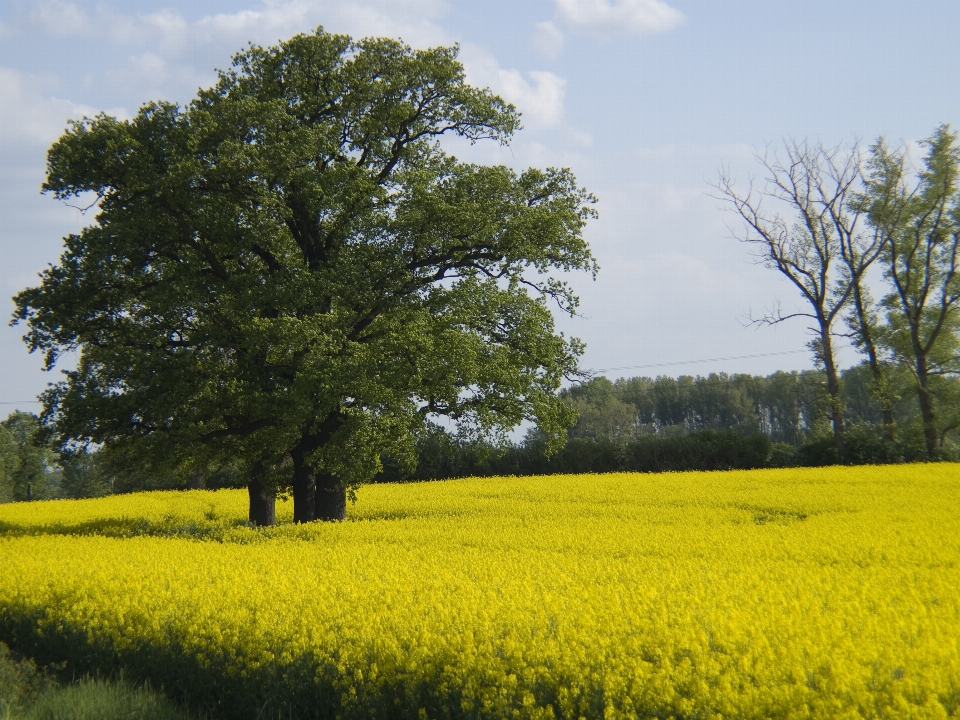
(95, 699)
(20, 683)
(26, 693)
(704, 450)
(781, 455)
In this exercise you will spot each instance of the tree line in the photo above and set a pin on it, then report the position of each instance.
(717, 421)
(712, 422)
(788, 407)
(33, 466)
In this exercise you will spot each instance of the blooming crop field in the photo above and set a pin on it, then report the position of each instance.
(820, 593)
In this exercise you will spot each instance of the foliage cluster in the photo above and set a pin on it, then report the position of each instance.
(817, 593)
(20, 683)
(29, 466)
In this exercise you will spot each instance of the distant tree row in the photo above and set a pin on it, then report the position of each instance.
(787, 407)
(707, 423)
(34, 467)
(632, 424)
(31, 468)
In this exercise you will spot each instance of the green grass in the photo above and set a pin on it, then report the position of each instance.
(26, 693)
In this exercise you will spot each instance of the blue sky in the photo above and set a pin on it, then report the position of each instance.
(643, 99)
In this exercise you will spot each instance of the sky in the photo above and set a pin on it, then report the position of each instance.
(645, 100)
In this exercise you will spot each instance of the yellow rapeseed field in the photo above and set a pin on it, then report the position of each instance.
(813, 593)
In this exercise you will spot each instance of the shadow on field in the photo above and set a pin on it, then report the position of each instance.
(231, 530)
(127, 528)
(773, 515)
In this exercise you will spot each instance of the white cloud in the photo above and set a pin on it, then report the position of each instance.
(539, 96)
(175, 55)
(548, 40)
(29, 117)
(541, 101)
(170, 26)
(619, 16)
(150, 75)
(631, 17)
(413, 20)
(60, 18)
(267, 22)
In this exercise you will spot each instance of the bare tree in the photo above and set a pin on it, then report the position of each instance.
(919, 219)
(802, 220)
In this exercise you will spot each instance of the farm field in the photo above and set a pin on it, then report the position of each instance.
(801, 593)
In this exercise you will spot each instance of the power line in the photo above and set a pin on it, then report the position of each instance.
(623, 367)
(699, 382)
(696, 362)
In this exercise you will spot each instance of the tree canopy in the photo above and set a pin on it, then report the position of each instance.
(291, 271)
(919, 220)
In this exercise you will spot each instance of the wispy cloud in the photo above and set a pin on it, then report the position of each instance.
(604, 18)
(172, 55)
(267, 22)
(539, 95)
(548, 39)
(618, 16)
(28, 115)
(60, 19)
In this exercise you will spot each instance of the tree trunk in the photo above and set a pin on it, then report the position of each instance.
(331, 498)
(304, 489)
(196, 481)
(316, 496)
(263, 504)
(927, 412)
(882, 393)
(833, 388)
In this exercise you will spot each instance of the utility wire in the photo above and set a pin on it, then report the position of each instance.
(603, 370)
(699, 382)
(695, 362)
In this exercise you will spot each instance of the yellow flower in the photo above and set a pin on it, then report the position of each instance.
(819, 593)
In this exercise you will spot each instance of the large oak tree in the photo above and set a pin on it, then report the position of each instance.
(292, 272)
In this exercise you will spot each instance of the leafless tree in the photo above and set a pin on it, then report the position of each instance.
(802, 221)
